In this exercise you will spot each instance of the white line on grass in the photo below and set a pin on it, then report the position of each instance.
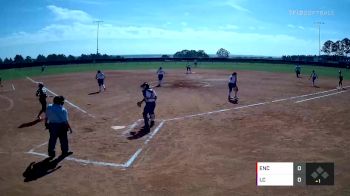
(70, 103)
(318, 97)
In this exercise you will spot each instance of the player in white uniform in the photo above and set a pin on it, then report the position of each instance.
(232, 85)
(160, 74)
(100, 77)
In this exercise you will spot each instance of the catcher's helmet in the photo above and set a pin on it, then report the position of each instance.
(40, 84)
(145, 85)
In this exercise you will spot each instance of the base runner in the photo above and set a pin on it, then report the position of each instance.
(100, 77)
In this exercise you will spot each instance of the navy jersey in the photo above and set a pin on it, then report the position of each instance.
(149, 95)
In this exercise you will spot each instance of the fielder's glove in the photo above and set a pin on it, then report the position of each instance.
(139, 103)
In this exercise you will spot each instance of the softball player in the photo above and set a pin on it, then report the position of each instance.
(340, 85)
(42, 94)
(232, 85)
(149, 97)
(160, 73)
(297, 70)
(100, 77)
(313, 76)
(188, 69)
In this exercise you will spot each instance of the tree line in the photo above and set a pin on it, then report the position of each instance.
(339, 47)
(54, 58)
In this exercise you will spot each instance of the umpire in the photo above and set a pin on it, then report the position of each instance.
(57, 122)
(150, 97)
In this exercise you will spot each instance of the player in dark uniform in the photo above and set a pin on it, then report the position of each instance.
(160, 74)
(232, 85)
(188, 69)
(43, 67)
(195, 63)
(41, 93)
(313, 76)
(340, 85)
(149, 97)
(297, 71)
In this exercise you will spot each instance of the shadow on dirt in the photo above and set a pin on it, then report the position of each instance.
(136, 135)
(29, 124)
(38, 170)
(94, 93)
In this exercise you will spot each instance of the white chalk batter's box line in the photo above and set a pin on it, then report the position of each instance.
(124, 165)
(131, 160)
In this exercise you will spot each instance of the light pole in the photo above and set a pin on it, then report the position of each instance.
(98, 28)
(319, 37)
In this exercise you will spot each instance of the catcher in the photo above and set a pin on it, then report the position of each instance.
(149, 97)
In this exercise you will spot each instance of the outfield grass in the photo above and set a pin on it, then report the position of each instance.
(18, 73)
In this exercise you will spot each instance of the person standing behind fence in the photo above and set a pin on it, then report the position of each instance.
(57, 122)
(100, 77)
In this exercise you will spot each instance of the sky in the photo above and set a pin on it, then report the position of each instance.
(243, 27)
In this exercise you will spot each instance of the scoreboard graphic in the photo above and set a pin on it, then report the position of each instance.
(294, 174)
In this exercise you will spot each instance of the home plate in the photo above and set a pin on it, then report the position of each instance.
(117, 127)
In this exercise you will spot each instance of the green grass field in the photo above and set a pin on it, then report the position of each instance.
(18, 73)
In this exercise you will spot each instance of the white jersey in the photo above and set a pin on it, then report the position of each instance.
(100, 76)
(232, 79)
(160, 72)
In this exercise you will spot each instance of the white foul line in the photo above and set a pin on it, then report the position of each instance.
(319, 97)
(70, 103)
(250, 105)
